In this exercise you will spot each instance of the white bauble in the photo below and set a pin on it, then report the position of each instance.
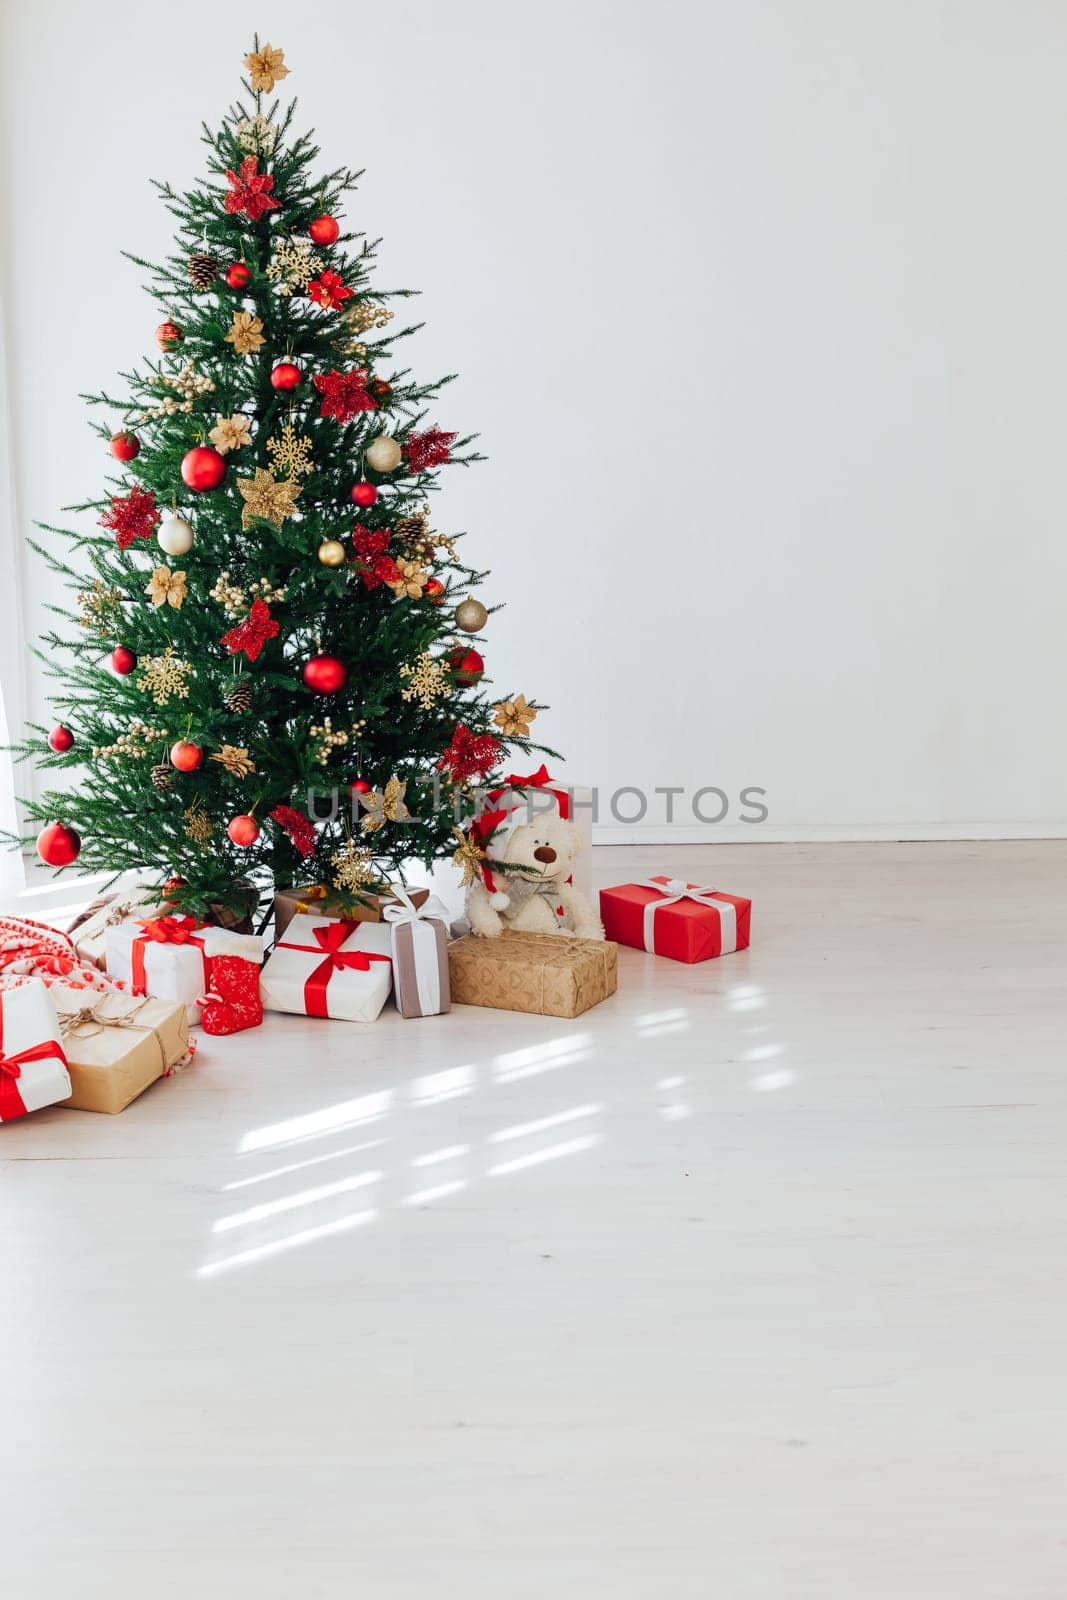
(384, 455)
(175, 536)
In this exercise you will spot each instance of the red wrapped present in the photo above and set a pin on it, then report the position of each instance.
(670, 917)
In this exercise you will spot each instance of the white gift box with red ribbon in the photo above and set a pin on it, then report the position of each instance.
(324, 967)
(170, 957)
(33, 1066)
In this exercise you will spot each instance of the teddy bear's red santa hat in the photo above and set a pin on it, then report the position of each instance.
(515, 801)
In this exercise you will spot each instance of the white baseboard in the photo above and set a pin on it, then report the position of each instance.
(822, 833)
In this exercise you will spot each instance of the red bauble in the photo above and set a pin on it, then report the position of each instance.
(467, 665)
(124, 446)
(171, 887)
(325, 229)
(325, 674)
(185, 755)
(364, 494)
(379, 388)
(202, 468)
(238, 276)
(168, 334)
(435, 591)
(286, 376)
(243, 830)
(60, 739)
(360, 786)
(123, 660)
(58, 845)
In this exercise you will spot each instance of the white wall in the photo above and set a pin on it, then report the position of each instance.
(759, 307)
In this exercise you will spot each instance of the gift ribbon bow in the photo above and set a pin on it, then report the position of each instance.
(402, 912)
(674, 890)
(328, 942)
(165, 930)
(11, 1065)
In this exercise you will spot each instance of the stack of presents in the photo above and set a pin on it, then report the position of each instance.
(91, 1018)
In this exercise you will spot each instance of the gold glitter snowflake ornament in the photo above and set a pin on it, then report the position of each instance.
(428, 680)
(353, 867)
(165, 677)
(290, 452)
(294, 265)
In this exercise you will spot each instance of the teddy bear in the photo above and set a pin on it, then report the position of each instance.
(531, 892)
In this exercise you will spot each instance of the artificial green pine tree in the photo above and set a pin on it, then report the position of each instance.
(297, 631)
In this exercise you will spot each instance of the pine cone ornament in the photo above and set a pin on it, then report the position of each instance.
(203, 269)
(411, 535)
(162, 777)
(240, 697)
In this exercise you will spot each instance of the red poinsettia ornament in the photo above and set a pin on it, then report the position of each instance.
(131, 517)
(252, 634)
(328, 291)
(344, 394)
(250, 190)
(297, 826)
(428, 449)
(470, 755)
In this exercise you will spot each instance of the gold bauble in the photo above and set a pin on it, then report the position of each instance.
(332, 553)
(471, 615)
(384, 455)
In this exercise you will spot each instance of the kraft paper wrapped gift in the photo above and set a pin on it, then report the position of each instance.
(419, 948)
(669, 917)
(328, 968)
(89, 932)
(33, 1064)
(170, 957)
(537, 972)
(117, 1045)
(317, 900)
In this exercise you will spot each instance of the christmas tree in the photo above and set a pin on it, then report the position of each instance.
(271, 649)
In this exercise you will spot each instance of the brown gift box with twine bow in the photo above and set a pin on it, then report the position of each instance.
(319, 901)
(538, 972)
(116, 1045)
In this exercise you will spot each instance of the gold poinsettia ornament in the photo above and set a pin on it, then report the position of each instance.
(236, 760)
(267, 497)
(468, 857)
(266, 68)
(231, 433)
(385, 806)
(246, 335)
(411, 582)
(166, 588)
(514, 717)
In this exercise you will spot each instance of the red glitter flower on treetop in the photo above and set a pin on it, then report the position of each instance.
(251, 190)
(432, 448)
(344, 394)
(297, 827)
(328, 291)
(252, 634)
(131, 518)
(470, 755)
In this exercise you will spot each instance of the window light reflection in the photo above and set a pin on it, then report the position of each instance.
(291, 1241)
(292, 1202)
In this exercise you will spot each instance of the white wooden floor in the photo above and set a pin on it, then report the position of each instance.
(748, 1285)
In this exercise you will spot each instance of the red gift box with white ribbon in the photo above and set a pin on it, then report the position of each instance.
(33, 1066)
(670, 917)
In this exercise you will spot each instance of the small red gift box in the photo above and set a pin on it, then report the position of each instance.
(670, 917)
